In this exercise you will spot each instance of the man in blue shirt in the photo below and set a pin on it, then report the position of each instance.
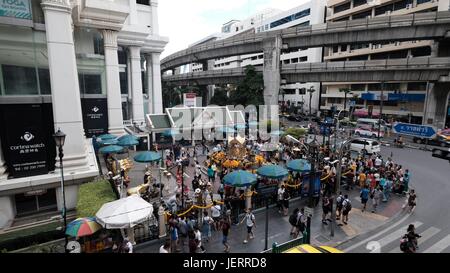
(364, 197)
(406, 179)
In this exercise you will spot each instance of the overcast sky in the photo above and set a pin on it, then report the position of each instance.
(187, 21)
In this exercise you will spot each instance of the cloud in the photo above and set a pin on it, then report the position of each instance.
(187, 21)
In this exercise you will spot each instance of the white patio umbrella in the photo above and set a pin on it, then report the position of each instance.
(124, 213)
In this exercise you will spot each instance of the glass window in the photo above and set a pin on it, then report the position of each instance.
(44, 81)
(422, 1)
(362, 15)
(417, 86)
(19, 80)
(342, 7)
(384, 9)
(304, 59)
(421, 51)
(143, 2)
(402, 4)
(123, 82)
(358, 87)
(90, 83)
(359, 2)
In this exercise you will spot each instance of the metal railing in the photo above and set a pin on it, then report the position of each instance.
(280, 248)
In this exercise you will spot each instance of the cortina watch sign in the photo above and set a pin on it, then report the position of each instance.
(27, 136)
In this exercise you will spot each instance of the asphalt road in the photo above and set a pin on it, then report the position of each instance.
(431, 180)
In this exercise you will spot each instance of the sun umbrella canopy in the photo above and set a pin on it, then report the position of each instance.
(239, 179)
(82, 227)
(128, 142)
(299, 165)
(105, 142)
(147, 156)
(272, 171)
(107, 136)
(112, 149)
(126, 137)
(124, 213)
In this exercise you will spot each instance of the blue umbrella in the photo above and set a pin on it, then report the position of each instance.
(105, 142)
(107, 136)
(126, 137)
(128, 142)
(299, 165)
(239, 179)
(147, 156)
(272, 171)
(226, 130)
(112, 149)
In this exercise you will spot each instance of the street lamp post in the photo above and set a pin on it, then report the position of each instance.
(311, 90)
(338, 182)
(381, 109)
(60, 138)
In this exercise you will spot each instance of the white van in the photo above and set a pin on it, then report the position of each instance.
(368, 123)
(366, 145)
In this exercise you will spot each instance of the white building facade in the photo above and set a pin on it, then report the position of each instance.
(83, 66)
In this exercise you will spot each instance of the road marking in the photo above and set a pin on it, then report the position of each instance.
(427, 234)
(376, 235)
(439, 246)
(396, 235)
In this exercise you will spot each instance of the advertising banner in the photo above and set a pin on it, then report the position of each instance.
(25, 142)
(189, 99)
(20, 9)
(95, 116)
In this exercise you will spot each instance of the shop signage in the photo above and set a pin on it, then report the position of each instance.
(36, 192)
(15, 8)
(95, 116)
(189, 99)
(26, 144)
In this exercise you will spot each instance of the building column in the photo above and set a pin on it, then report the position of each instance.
(137, 100)
(155, 22)
(271, 69)
(149, 79)
(7, 213)
(157, 87)
(436, 104)
(115, 118)
(3, 175)
(66, 101)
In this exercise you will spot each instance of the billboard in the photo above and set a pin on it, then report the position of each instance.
(20, 9)
(95, 116)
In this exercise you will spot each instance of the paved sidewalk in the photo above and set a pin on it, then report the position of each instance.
(279, 228)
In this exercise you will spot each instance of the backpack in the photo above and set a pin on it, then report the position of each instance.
(293, 219)
(348, 205)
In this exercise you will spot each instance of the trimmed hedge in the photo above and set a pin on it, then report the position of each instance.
(296, 132)
(92, 195)
(27, 237)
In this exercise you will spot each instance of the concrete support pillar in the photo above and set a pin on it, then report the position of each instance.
(115, 118)
(71, 193)
(149, 79)
(3, 175)
(436, 105)
(136, 85)
(162, 222)
(157, 87)
(155, 25)
(271, 70)
(64, 81)
(7, 213)
(434, 49)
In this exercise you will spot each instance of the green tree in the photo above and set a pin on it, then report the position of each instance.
(220, 97)
(250, 90)
(346, 91)
(170, 94)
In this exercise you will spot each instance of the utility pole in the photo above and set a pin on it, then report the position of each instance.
(381, 110)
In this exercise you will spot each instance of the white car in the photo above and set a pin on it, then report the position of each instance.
(366, 132)
(365, 145)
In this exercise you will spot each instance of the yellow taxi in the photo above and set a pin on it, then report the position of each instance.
(305, 248)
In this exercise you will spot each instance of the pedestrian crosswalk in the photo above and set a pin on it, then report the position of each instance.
(432, 240)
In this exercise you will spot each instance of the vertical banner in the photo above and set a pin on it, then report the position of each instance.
(95, 116)
(25, 140)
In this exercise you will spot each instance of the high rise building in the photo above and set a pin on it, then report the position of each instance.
(402, 100)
